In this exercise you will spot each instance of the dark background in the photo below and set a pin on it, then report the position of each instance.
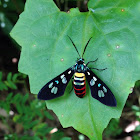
(22, 116)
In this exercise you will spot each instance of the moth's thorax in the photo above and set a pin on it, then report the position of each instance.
(80, 66)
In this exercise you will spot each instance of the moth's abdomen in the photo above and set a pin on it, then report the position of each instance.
(79, 84)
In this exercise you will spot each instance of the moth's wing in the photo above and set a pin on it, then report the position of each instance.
(99, 89)
(56, 87)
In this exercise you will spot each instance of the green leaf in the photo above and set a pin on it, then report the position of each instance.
(17, 98)
(46, 52)
(11, 85)
(42, 129)
(25, 98)
(15, 76)
(9, 81)
(9, 97)
(9, 76)
(3, 86)
(16, 118)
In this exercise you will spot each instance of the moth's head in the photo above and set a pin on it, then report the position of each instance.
(80, 61)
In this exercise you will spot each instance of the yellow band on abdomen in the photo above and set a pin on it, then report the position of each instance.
(79, 74)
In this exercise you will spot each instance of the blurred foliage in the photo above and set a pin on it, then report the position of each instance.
(24, 117)
(114, 127)
(20, 113)
(11, 80)
(9, 13)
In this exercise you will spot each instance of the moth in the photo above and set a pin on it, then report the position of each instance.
(99, 90)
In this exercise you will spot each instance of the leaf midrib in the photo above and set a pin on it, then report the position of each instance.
(92, 119)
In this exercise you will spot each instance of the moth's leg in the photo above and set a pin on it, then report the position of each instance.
(91, 62)
(98, 69)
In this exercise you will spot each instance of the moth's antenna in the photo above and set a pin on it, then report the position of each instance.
(74, 46)
(86, 47)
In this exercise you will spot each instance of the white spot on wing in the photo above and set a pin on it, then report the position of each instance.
(95, 79)
(64, 80)
(101, 93)
(92, 82)
(50, 85)
(88, 73)
(62, 76)
(69, 72)
(55, 90)
(52, 90)
(105, 90)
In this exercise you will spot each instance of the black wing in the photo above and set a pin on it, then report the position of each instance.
(56, 87)
(99, 90)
